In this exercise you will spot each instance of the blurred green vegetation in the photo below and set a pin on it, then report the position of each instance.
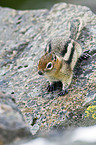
(40, 4)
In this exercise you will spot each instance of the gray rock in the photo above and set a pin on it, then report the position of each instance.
(12, 125)
(77, 136)
(23, 37)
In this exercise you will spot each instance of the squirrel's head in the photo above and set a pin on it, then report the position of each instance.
(48, 63)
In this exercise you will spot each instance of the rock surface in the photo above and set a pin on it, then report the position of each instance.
(23, 37)
(12, 125)
(79, 136)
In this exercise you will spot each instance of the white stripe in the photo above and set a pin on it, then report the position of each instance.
(67, 55)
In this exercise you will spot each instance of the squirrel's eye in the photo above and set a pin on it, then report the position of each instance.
(49, 65)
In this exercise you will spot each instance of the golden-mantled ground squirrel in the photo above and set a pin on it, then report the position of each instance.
(60, 58)
(58, 62)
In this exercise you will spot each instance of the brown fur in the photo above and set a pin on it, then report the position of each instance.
(44, 60)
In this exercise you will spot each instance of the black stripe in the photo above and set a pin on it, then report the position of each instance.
(71, 55)
(50, 48)
(64, 51)
(45, 48)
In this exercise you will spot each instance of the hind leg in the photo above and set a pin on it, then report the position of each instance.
(84, 56)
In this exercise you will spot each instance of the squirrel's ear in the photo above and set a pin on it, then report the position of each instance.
(54, 58)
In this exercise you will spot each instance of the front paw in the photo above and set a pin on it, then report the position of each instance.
(55, 86)
(63, 92)
(50, 88)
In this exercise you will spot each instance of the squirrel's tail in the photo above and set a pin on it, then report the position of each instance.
(75, 29)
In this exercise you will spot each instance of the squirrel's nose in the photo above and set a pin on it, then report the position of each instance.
(40, 72)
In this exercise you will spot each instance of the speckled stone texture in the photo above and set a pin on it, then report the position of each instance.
(12, 124)
(23, 37)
